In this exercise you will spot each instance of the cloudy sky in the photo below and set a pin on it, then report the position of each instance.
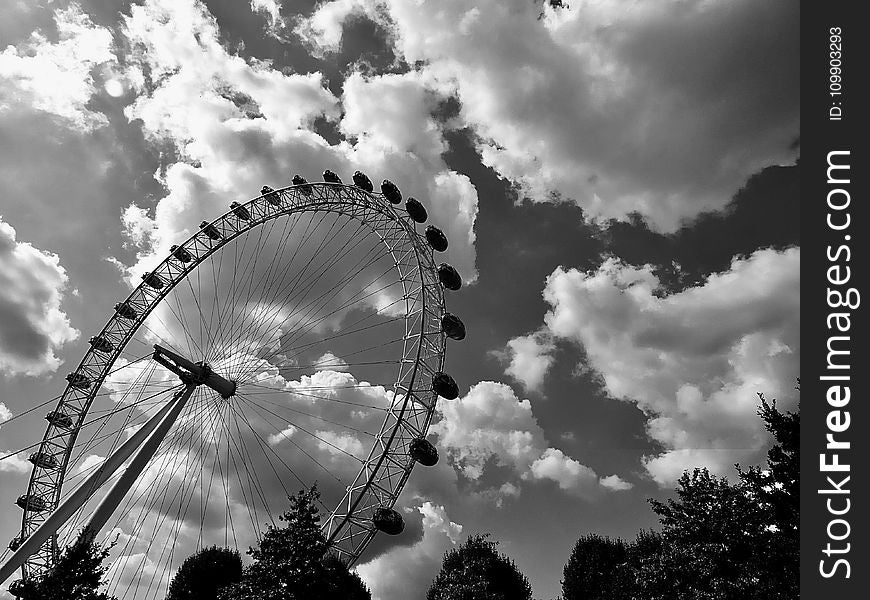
(617, 181)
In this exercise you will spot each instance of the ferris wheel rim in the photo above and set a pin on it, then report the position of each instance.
(342, 196)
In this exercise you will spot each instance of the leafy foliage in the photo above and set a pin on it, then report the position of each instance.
(477, 571)
(291, 562)
(594, 569)
(77, 575)
(719, 540)
(201, 575)
(602, 568)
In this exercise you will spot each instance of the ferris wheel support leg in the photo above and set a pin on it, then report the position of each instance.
(87, 489)
(131, 474)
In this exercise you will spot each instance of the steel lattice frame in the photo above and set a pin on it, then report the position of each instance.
(349, 528)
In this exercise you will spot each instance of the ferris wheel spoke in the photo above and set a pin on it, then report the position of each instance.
(264, 446)
(86, 447)
(61, 435)
(163, 512)
(347, 427)
(253, 474)
(348, 331)
(231, 331)
(257, 408)
(179, 313)
(172, 541)
(297, 392)
(279, 285)
(215, 303)
(302, 281)
(355, 298)
(297, 282)
(248, 494)
(310, 325)
(146, 498)
(228, 314)
(334, 360)
(205, 324)
(320, 439)
(342, 282)
(167, 446)
(84, 472)
(238, 324)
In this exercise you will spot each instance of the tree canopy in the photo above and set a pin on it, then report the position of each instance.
(202, 574)
(477, 571)
(292, 563)
(77, 575)
(719, 540)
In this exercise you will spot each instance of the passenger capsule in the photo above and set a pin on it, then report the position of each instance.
(331, 177)
(43, 460)
(303, 184)
(270, 195)
(453, 326)
(436, 238)
(389, 521)
(101, 344)
(445, 386)
(59, 420)
(416, 210)
(181, 254)
(79, 381)
(449, 277)
(391, 192)
(125, 310)
(240, 211)
(153, 280)
(18, 588)
(15, 543)
(362, 181)
(424, 452)
(210, 230)
(31, 503)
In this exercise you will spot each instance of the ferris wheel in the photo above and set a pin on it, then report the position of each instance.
(297, 340)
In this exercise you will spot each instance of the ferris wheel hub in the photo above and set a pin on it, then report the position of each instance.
(195, 374)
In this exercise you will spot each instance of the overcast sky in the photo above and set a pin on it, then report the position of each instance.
(617, 181)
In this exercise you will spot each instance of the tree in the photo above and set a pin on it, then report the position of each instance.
(341, 583)
(719, 540)
(77, 575)
(602, 568)
(201, 575)
(727, 540)
(778, 490)
(592, 571)
(477, 571)
(291, 562)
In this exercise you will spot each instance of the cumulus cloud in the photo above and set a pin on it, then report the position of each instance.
(89, 462)
(529, 358)
(331, 362)
(15, 463)
(271, 9)
(417, 564)
(615, 482)
(33, 326)
(56, 77)
(491, 424)
(564, 470)
(691, 361)
(589, 105)
(239, 123)
(322, 31)
(284, 434)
